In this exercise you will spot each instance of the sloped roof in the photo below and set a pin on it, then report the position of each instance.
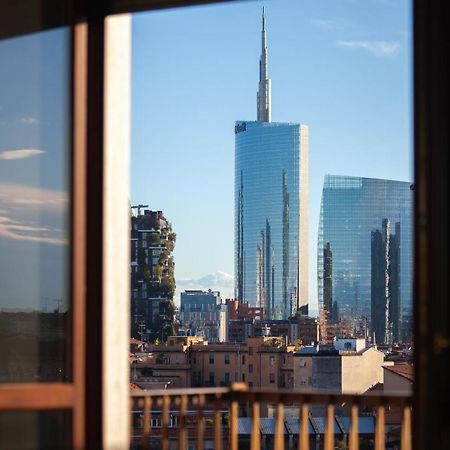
(293, 426)
(316, 425)
(366, 425)
(404, 370)
(267, 426)
(320, 425)
(245, 425)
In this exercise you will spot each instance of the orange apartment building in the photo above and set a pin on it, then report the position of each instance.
(261, 362)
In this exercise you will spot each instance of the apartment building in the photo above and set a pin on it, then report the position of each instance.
(346, 367)
(203, 313)
(262, 362)
(152, 275)
(296, 330)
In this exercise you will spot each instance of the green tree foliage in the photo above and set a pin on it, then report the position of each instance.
(154, 238)
(157, 271)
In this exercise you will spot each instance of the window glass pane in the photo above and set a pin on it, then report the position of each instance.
(34, 222)
(35, 430)
(277, 143)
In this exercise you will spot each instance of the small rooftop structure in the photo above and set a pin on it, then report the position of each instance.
(307, 350)
(349, 344)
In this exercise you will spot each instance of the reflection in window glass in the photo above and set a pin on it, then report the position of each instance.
(34, 183)
(44, 430)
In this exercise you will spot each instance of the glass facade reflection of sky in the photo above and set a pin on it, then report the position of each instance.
(35, 146)
(351, 208)
(270, 235)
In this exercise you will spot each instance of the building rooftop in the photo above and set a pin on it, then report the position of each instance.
(404, 370)
(307, 350)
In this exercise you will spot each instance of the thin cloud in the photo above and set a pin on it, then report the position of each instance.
(29, 120)
(325, 24)
(12, 229)
(379, 49)
(33, 214)
(20, 154)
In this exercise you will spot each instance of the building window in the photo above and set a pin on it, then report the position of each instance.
(156, 423)
(211, 359)
(227, 378)
(271, 360)
(243, 359)
(243, 377)
(272, 378)
(211, 379)
(227, 359)
(250, 368)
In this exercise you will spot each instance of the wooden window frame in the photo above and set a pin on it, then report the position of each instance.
(95, 237)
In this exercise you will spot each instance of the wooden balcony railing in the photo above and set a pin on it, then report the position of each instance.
(238, 418)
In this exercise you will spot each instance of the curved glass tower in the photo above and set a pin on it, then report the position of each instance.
(271, 207)
(353, 209)
(271, 221)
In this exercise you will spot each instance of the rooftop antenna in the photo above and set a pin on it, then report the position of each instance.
(264, 94)
(59, 303)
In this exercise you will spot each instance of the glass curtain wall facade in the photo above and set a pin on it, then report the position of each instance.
(271, 216)
(351, 209)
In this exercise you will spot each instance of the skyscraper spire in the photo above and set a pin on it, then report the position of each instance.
(264, 95)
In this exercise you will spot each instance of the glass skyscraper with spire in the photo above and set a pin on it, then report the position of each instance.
(271, 207)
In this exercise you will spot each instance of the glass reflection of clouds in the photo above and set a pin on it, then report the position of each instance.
(34, 206)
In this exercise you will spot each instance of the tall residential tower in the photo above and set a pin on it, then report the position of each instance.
(271, 207)
(152, 275)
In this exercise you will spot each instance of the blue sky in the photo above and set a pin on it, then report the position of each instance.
(34, 170)
(342, 67)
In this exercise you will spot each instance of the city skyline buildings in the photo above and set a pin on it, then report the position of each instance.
(345, 94)
(351, 209)
(271, 207)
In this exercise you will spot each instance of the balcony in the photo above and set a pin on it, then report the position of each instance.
(238, 418)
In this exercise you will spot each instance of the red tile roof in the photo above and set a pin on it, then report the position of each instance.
(404, 370)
